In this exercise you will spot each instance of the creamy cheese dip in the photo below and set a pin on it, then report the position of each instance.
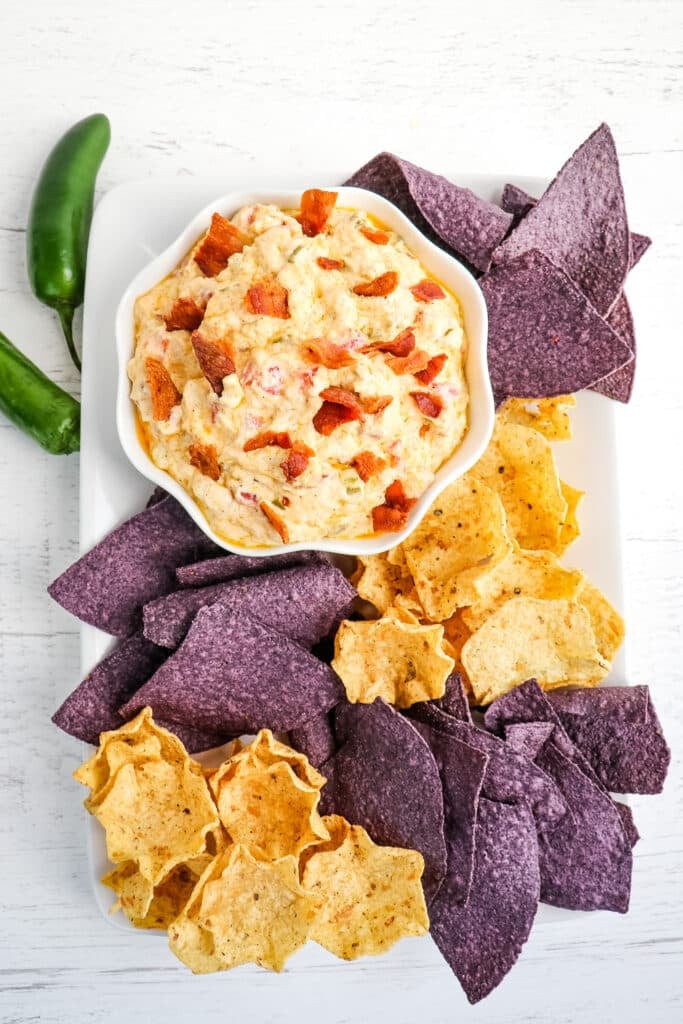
(237, 354)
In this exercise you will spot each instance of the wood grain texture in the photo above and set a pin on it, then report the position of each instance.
(266, 89)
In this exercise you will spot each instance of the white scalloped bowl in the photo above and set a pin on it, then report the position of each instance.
(442, 266)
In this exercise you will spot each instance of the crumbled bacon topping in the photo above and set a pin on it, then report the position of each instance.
(373, 404)
(221, 242)
(428, 404)
(415, 362)
(330, 416)
(276, 521)
(343, 396)
(380, 286)
(266, 439)
(402, 345)
(268, 298)
(427, 291)
(185, 315)
(432, 369)
(163, 392)
(366, 465)
(375, 235)
(328, 354)
(214, 359)
(393, 514)
(326, 263)
(297, 460)
(316, 207)
(204, 457)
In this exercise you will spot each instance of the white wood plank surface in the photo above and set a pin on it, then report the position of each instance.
(265, 87)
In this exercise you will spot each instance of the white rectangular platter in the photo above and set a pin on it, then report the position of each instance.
(132, 224)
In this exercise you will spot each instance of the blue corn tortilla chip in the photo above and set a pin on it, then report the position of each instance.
(305, 603)
(482, 940)
(586, 862)
(628, 824)
(233, 674)
(454, 701)
(384, 777)
(93, 706)
(619, 385)
(230, 567)
(157, 495)
(510, 777)
(453, 217)
(580, 223)
(617, 730)
(545, 338)
(639, 246)
(315, 738)
(528, 737)
(134, 564)
(462, 769)
(195, 740)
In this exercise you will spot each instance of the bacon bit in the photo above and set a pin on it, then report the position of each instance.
(268, 439)
(328, 354)
(162, 390)
(205, 458)
(388, 520)
(372, 235)
(427, 291)
(432, 369)
(373, 405)
(268, 298)
(342, 396)
(414, 363)
(366, 465)
(297, 460)
(330, 416)
(316, 207)
(285, 500)
(214, 360)
(275, 521)
(185, 315)
(380, 286)
(221, 242)
(429, 405)
(396, 497)
(402, 345)
(325, 263)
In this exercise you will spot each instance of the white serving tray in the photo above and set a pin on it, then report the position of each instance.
(132, 224)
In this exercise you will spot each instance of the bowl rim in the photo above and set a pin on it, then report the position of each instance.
(437, 261)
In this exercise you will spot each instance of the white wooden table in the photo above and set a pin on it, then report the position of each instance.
(270, 88)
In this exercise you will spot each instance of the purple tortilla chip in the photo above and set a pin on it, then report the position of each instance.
(528, 737)
(454, 701)
(462, 768)
(629, 825)
(545, 338)
(157, 495)
(586, 862)
(193, 739)
(315, 738)
(384, 777)
(510, 777)
(617, 730)
(92, 708)
(134, 564)
(233, 674)
(580, 223)
(482, 941)
(468, 225)
(639, 246)
(517, 202)
(619, 385)
(230, 567)
(305, 603)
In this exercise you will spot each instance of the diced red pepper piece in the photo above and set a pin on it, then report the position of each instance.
(185, 315)
(367, 465)
(428, 404)
(328, 354)
(205, 458)
(342, 396)
(396, 497)
(268, 298)
(330, 416)
(326, 263)
(375, 404)
(316, 207)
(414, 363)
(266, 439)
(214, 360)
(375, 235)
(427, 291)
(221, 242)
(162, 390)
(297, 460)
(380, 286)
(402, 345)
(275, 521)
(432, 369)
(388, 520)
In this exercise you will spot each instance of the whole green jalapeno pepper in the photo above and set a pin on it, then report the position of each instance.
(36, 404)
(59, 220)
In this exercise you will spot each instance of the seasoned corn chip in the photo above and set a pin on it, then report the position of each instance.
(546, 415)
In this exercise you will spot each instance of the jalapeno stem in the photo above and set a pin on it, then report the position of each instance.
(66, 318)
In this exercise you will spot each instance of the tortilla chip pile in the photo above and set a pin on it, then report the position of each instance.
(552, 270)
(217, 647)
(478, 586)
(236, 863)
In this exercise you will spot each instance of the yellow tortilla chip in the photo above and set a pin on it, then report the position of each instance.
(462, 535)
(148, 906)
(546, 415)
(382, 583)
(456, 633)
(264, 751)
(401, 662)
(520, 466)
(369, 896)
(244, 910)
(569, 530)
(521, 573)
(551, 641)
(268, 809)
(607, 623)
